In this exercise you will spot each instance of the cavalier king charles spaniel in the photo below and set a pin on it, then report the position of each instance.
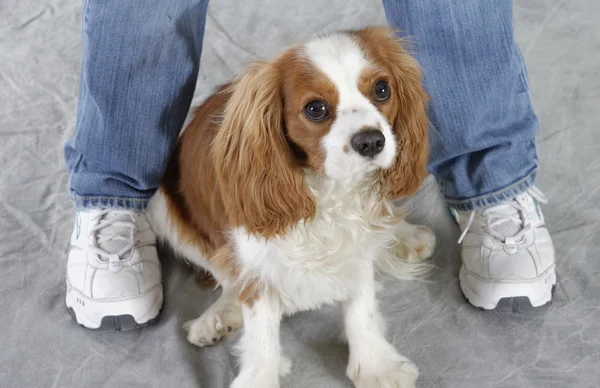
(282, 187)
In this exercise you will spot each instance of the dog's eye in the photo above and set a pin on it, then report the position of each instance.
(381, 91)
(316, 110)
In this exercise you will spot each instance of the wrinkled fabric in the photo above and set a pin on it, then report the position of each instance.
(454, 344)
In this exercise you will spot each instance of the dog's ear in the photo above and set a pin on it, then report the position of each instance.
(262, 186)
(410, 128)
(410, 125)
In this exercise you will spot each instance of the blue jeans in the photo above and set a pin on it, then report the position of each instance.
(140, 66)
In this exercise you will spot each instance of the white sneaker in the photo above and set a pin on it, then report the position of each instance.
(113, 272)
(507, 252)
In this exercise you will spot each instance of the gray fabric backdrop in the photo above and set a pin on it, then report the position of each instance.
(453, 344)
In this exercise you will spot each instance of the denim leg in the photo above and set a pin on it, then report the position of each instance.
(139, 70)
(482, 123)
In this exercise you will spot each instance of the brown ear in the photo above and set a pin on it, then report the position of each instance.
(410, 125)
(262, 186)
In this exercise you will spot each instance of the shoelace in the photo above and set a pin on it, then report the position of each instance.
(124, 230)
(505, 213)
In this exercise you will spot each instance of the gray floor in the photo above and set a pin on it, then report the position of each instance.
(454, 344)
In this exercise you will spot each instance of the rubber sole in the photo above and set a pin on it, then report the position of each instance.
(504, 296)
(514, 305)
(115, 323)
(116, 315)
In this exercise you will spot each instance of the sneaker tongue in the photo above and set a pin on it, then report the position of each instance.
(507, 227)
(112, 238)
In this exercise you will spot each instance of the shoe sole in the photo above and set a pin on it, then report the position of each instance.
(88, 313)
(115, 323)
(489, 295)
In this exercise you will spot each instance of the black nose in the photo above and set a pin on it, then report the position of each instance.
(368, 143)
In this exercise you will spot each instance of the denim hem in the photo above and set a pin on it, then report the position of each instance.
(496, 197)
(139, 204)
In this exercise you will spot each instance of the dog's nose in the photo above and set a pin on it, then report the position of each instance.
(368, 143)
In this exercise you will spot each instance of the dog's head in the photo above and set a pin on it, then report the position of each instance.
(345, 105)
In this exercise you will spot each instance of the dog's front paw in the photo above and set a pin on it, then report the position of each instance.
(423, 242)
(213, 326)
(416, 243)
(394, 372)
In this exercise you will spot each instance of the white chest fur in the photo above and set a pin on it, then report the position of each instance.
(321, 261)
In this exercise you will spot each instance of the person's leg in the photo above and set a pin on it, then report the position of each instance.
(482, 136)
(482, 124)
(139, 70)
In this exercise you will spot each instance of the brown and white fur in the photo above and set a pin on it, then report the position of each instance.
(287, 215)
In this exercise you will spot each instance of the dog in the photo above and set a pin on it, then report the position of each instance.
(282, 187)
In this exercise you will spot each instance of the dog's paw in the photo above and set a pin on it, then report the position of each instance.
(416, 243)
(387, 369)
(423, 242)
(401, 375)
(213, 326)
